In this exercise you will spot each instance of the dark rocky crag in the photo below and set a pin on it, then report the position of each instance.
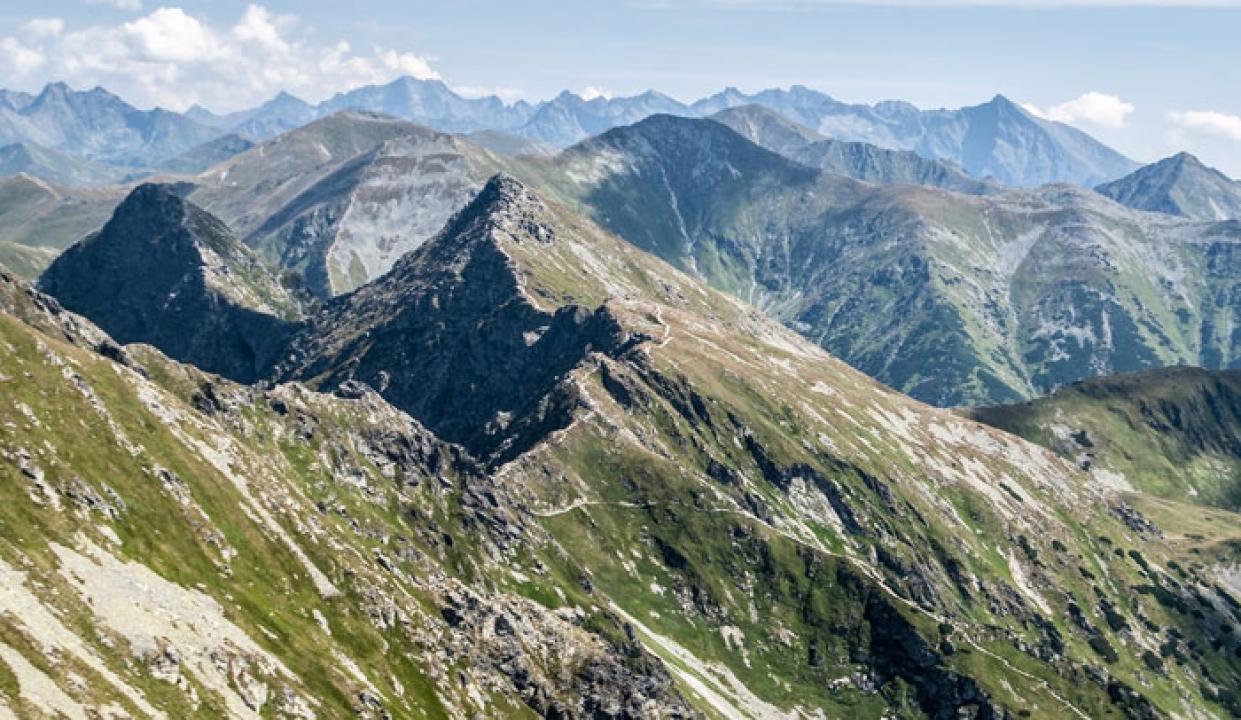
(450, 336)
(164, 272)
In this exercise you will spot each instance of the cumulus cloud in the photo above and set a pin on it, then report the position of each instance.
(1210, 122)
(173, 58)
(1095, 108)
(44, 27)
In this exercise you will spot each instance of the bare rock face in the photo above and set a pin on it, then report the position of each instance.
(166, 273)
(341, 199)
(451, 337)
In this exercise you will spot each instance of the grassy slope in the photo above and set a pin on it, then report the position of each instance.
(1174, 433)
(634, 494)
(309, 464)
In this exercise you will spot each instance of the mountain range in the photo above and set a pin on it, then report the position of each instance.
(1014, 292)
(534, 470)
(97, 126)
(996, 141)
(862, 161)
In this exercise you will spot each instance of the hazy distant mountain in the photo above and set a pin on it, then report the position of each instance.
(39, 219)
(996, 139)
(568, 117)
(54, 166)
(15, 100)
(862, 161)
(281, 113)
(201, 157)
(1179, 185)
(99, 126)
(431, 103)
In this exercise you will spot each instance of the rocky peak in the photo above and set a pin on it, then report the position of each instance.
(165, 272)
(1178, 185)
(459, 334)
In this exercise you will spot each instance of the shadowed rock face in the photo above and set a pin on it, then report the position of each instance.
(164, 272)
(450, 337)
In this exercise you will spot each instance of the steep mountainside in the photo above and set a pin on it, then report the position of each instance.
(996, 139)
(342, 198)
(512, 145)
(951, 298)
(1179, 185)
(767, 128)
(99, 126)
(164, 272)
(178, 546)
(39, 219)
(1173, 432)
(785, 536)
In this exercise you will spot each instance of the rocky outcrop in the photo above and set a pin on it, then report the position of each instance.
(450, 336)
(164, 272)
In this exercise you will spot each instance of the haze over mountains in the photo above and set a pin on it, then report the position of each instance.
(1179, 185)
(410, 405)
(996, 140)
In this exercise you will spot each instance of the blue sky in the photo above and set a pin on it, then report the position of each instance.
(1147, 76)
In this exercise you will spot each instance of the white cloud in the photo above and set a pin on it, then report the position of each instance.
(1210, 122)
(20, 59)
(44, 27)
(131, 5)
(1095, 108)
(173, 58)
(590, 92)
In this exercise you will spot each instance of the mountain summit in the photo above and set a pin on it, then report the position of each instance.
(1179, 185)
(163, 271)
